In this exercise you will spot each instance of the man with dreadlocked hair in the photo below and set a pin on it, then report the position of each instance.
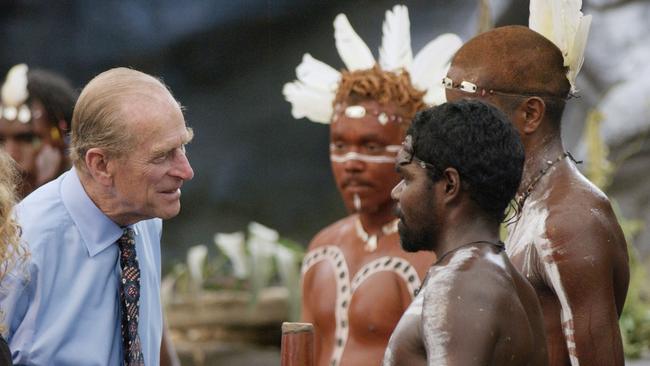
(35, 112)
(356, 279)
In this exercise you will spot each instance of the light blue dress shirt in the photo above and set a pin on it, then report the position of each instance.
(62, 307)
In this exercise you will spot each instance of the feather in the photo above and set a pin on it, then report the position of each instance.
(395, 52)
(540, 19)
(577, 51)
(14, 90)
(430, 65)
(562, 22)
(353, 51)
(315, 104)
(317, 74)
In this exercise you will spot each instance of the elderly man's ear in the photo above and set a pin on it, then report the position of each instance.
(99, 166)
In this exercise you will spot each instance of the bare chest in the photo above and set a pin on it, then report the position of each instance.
(361, 299)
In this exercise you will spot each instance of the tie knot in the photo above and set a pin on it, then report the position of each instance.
(127, 239)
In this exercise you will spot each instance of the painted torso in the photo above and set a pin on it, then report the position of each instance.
(554, 238)
(474, 308)
(354, 297)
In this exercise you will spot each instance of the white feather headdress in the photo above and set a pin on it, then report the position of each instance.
(562, 22)
(14, 94)
(312, 94)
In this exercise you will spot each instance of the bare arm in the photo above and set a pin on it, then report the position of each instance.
(586, 266)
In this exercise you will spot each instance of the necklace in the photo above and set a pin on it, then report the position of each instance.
(371, 240)
(521, 197)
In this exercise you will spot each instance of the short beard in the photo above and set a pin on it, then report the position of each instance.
(414, 241)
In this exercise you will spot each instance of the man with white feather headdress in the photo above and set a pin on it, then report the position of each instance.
(35, 112)
(357, 280)
(566, 239)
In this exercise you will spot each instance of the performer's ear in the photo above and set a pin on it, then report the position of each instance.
(451, 181)
(97, 164)
(533, 110)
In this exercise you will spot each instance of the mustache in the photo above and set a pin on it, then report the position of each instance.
(355, 181)
(398, 212)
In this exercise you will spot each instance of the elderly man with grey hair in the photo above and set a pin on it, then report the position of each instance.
(90, 293)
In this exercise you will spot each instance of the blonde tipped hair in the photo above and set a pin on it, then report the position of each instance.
(102, 108)
(11, 249)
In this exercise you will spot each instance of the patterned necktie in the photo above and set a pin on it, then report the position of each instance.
(130, 299)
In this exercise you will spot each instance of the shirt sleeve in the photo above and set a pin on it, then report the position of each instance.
(16, 293)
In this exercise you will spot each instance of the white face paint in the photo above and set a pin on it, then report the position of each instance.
(376, 159)
(356, 201)
(387, 156)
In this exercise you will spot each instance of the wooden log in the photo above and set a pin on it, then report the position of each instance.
(297, 344)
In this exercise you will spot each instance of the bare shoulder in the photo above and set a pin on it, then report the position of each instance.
(471, 275)
(332, 234)
(581, 217)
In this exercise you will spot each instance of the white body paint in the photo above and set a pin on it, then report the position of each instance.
(436, 291)
(346, 288)
(528, 235)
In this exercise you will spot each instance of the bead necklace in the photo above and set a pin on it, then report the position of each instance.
(521, 197)
(371, 240)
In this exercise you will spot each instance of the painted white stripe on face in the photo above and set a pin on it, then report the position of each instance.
(362, 157)
(393, 148)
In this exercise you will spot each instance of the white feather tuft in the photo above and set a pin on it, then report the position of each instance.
(317, 74)
(562, 22)
(314, 104)
(353, 51)
(576, 55)
(430, 65)
(14, 90)
(395, 52)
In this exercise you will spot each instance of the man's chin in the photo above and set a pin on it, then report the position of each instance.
(410, 244)
(169, 212)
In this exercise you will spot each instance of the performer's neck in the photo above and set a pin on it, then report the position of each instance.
(538, 153)
(466, 228)
(374, 221)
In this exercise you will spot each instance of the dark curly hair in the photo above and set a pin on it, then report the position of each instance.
(382, 86)
(55, 92)
(478, 141)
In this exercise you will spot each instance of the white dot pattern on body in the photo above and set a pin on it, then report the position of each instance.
(345, 288)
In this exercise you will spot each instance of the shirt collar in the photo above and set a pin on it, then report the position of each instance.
(97, 231)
